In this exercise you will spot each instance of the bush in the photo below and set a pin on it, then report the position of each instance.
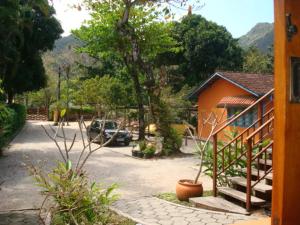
(76, 201)
(172, 143)
(12, 118)
(149, 151)
(142, 145)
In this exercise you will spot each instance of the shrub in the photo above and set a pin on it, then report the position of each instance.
(76, 201)
(142, 145)
(149, 151)
(12, 118)
(172, 143)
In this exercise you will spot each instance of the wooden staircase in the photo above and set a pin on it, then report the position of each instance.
(245, 162)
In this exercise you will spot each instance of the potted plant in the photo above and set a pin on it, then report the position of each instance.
(149, 151)
(134, 151)
(188, 188)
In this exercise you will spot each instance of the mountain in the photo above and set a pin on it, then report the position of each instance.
(63, 43)
(260, 36)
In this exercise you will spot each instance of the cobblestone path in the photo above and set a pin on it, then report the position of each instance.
(154, 211)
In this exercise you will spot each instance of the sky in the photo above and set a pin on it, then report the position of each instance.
(238, 16)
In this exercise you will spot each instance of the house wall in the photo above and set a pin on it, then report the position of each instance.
(208, 100)
(286, 153)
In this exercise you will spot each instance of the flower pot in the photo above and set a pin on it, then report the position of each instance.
(134, 153)
(140, 154)
(186, 189)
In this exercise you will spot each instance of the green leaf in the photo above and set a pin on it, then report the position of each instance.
(63, 112)
(69, 165)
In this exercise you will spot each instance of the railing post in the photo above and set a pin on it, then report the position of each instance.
(249, 174)
(215, 170)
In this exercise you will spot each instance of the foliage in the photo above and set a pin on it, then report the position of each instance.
(27, 29)
(132, 32)
(12, 118)
(104, 93)
(77, 201)
(149, 151)
(232, 171)
(176, 101)
(142, 145)
(257, 62)
(172, 142)
(205, 47)
(72, 199)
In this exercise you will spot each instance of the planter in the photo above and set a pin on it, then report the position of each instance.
(134, 153)
(186, 189)
(147, 156)
(140, 154)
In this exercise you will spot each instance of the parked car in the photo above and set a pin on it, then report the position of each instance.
(110, 128)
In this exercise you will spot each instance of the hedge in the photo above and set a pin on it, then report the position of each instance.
(12, 118)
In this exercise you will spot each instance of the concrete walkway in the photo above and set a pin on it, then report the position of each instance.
(136, 178)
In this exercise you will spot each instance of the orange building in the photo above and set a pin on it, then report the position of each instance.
(225, 94)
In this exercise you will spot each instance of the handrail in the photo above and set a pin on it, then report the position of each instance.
(243, 112)
(246, 130)
(260, 129)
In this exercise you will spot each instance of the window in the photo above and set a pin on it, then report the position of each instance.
(244, 121)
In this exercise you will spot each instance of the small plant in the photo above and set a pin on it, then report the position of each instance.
(149, 151)
(142, 145)
(73, 200)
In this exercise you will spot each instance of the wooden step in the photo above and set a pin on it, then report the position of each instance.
(241, 196)
(217, 204)
(261, 187)
(268, 162)
(261, 173)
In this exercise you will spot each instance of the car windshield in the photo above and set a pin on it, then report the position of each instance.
(110, 125)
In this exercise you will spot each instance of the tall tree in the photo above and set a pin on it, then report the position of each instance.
(33, 29)
(131, 30)
(205, 47)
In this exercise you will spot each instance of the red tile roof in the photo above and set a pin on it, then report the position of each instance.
(242, 101)
(258, 83)
(255, 84)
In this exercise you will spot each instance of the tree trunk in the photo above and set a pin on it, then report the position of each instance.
(10, 97)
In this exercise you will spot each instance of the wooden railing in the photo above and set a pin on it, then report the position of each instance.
(228, 155)
(256, 140)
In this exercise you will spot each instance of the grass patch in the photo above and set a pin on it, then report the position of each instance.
(116, 219)
(171, 197)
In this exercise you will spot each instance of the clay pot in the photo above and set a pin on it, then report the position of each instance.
(186, 189)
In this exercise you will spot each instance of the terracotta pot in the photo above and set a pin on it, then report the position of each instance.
(186, 189)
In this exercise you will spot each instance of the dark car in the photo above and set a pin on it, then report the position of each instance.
(110, 128)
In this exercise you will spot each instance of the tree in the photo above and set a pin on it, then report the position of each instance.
(105, 93)
(131, 30)
(32, 29)
(257, 62)
(205, 47)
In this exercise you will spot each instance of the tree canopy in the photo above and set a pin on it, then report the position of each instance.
(205, 47)
(27, 29)
(257, 62)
